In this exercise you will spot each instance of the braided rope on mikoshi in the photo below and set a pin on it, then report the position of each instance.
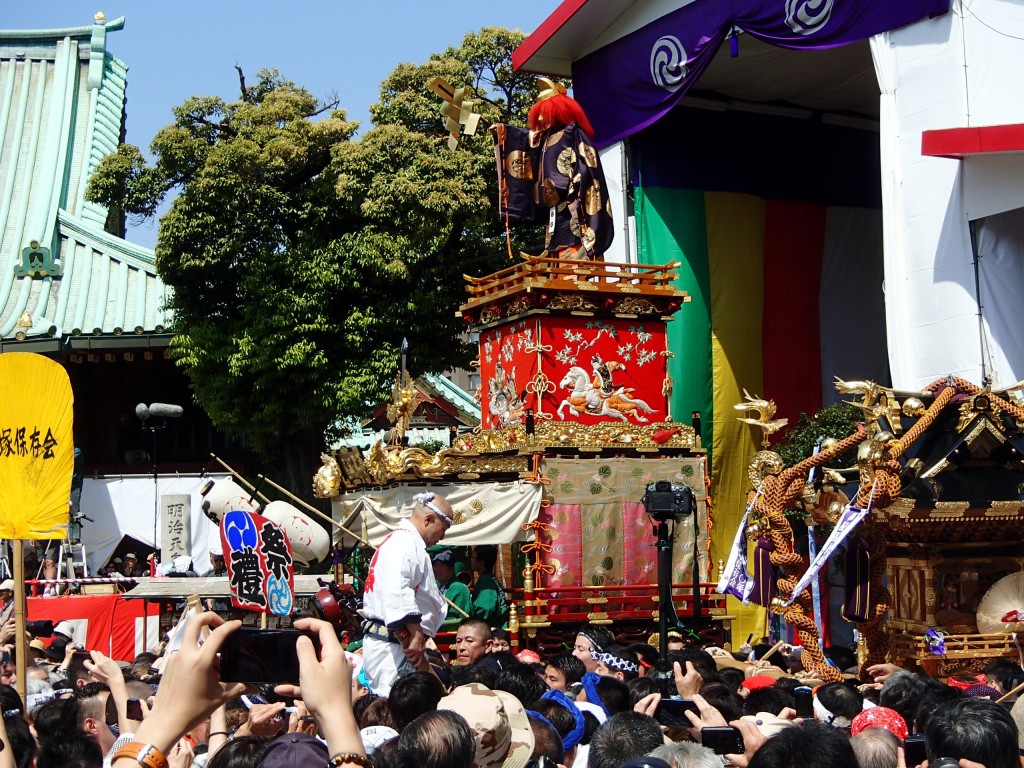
(888, 487)
(779, 492)
(888, 472)
(885, 487)
(882, 489)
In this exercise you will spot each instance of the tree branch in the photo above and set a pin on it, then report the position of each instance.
(323, 108)
(241, 83)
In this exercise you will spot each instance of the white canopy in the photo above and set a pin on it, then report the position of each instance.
(125, 506)
(493, 513)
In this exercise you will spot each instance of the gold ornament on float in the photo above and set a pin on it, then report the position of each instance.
(765, 410)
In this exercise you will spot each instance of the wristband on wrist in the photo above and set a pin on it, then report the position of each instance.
(349, 757)
(145, 755)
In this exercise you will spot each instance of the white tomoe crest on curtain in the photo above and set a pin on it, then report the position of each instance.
(805, 17)
(668, 63)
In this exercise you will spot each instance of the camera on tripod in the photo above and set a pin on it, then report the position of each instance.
(666, 501)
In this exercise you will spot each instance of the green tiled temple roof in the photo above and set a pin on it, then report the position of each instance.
(62, 98)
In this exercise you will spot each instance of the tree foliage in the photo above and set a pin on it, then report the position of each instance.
(300, 254)
(838, 421)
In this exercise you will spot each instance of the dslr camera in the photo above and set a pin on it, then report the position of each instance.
(666, 501)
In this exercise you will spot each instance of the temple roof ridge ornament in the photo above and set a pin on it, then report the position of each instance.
(73, 32)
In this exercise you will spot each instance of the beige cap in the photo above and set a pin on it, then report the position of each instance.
(499, 723)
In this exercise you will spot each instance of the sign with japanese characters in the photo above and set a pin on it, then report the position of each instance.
(258, 556)
(36, 447)
(175, 526)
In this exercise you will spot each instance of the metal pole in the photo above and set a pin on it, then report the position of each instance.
(973, 229)
(665, 605)
(156, 491)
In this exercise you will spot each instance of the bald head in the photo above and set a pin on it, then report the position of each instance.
(432, 515)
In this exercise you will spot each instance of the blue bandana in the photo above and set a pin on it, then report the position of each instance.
(363, 680)
(590, 686)
(574, 736)
(612, 661)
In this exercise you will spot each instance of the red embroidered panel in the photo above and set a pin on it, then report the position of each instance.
(508, 363)
(604, 370)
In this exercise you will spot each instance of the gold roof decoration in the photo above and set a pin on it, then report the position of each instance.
(402, 406)
(386, 464)
(506, 451)
(765, 410)
(327, 480)
(870, 393)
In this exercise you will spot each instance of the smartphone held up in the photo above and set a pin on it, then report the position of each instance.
(252, 655)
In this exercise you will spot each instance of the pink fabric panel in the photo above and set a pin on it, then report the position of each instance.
(639, 555)
(566, 538)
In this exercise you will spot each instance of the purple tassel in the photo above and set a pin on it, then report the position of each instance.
(734, 46)
(857, 600)
(765, 584)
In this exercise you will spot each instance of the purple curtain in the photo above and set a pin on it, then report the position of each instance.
(627, 85)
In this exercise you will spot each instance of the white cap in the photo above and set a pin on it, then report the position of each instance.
(7, 584)
(65, 628)
(374, 736)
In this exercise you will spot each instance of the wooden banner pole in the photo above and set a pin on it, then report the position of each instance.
(20, 646)
(314, 510)
(238, 477)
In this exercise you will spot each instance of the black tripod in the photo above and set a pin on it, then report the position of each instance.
(668, 502)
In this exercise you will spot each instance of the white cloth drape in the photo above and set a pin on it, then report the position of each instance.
(961, 69)
(1000, 241)
(494, 513)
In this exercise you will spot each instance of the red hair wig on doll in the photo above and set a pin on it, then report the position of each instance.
(554, 109)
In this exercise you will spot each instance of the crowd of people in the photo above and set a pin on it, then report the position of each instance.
(600, 705)
(389, 698)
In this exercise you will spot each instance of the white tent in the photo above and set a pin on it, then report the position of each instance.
(959, 70)
(125, 506)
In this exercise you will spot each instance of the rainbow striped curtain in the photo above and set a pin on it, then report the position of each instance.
(777, 224)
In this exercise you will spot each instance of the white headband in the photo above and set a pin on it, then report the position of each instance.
(822, 713)
(427, 500)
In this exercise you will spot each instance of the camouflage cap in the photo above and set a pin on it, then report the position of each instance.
(501, 730)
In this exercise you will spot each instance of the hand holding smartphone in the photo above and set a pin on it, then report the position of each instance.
(804, 702)
(134, 711)
(251, 655)
(672, 712)
(722, 739)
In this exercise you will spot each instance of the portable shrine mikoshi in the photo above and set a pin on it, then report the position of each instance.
(938, 495)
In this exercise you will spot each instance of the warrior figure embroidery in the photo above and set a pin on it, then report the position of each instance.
(600, 396)
(502, 398)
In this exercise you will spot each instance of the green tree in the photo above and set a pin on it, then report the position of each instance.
(300, 255)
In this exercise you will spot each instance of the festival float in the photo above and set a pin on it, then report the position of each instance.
(932, 527)
(576, 425)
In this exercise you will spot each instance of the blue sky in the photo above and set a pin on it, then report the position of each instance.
(179, 49)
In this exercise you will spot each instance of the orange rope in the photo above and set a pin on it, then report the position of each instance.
(782, 491)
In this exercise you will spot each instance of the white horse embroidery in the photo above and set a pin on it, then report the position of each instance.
(585, 398)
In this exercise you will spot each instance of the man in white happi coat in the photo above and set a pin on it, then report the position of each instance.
(402, 604)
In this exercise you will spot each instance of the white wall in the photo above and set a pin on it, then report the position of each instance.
(950, 72)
